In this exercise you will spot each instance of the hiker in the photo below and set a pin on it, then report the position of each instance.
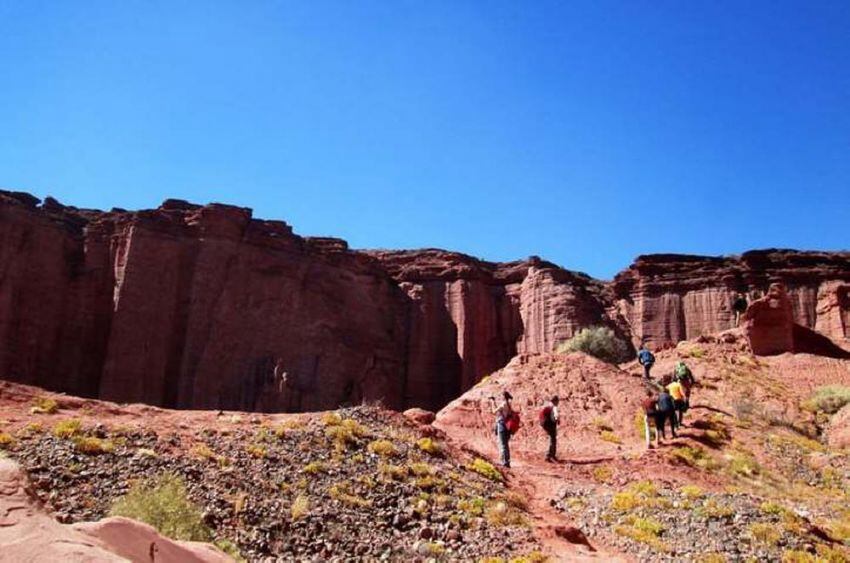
(549, 421)
(684, 376)
(739, 306)
(505, 415)
(646, 359)
(650, 412)
(666, 411)
(677, 392)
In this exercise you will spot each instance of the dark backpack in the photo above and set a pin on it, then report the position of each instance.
(665, 403)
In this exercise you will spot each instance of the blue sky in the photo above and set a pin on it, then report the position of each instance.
(583, 132)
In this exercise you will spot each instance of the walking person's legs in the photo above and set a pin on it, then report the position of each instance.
(553, 443)
(673, 425)
(646, 368)
(659, 427)
(647, 430)
(504, 446)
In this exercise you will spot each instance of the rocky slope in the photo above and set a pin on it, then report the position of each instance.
(760, 472)
(192, 306)
(350, 485)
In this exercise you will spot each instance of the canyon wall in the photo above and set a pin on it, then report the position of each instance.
(194, 306)
(666, 298)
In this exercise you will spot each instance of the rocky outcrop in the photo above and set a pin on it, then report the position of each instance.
(468, 317)
(28, 533)
(194, 306)
(769, 323)
(667, 298)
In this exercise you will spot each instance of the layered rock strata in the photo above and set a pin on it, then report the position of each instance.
(193, 306)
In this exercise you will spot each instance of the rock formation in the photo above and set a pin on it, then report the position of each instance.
(28, 533)
(195, 306)
(769, 323)
(667, 298)
(190, 306)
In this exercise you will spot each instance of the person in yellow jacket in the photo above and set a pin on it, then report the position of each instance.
(677, 391)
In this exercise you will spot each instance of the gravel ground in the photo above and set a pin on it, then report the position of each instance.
(361, 504)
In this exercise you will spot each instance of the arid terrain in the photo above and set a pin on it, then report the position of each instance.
(262, 396)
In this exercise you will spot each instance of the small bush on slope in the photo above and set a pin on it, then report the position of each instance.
(829, 399)
(598, 341)
(163, 503)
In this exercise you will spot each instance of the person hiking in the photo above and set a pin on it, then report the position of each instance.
(739, 305)
(650, 412)
(686, 378)
(503, 411)
(646, 359)
(549, 421)
(666, 411)
(677, 392)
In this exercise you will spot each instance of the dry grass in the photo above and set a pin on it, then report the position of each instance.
(300, 507)
(67, 428)
(485, 468)
(383, 448)
(90, 445)
(44, 405)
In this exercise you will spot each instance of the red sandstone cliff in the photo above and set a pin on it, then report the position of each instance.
(190, 306)
(666, 298)
(206, 307)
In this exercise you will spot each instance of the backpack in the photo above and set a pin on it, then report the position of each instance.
(646, 358)
(545, 416)
(683, 373)
(512, 422)
(665, 403)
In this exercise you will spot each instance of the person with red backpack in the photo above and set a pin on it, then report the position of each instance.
(507, 423)
(549, 421)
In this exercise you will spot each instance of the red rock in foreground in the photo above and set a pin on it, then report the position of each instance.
(27, 533)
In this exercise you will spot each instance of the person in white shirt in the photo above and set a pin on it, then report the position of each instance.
(550, 425)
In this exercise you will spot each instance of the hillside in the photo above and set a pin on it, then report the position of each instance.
(355, 483)
(751, 476)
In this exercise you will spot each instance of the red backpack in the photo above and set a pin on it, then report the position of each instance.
(545, 415)
(512, 423)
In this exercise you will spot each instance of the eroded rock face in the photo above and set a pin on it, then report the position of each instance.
(667, 298)
(769, 323)
(194, 306)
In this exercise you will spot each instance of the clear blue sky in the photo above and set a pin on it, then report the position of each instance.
(583, 132)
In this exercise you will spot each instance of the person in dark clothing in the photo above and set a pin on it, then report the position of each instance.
(646, 359)
(666, 411)
(739, 306)
(550, 425)
(650, 410)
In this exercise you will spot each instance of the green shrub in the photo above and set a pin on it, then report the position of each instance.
(486, 469)
(93, 446)
(44, 405)
(829, 399)
(67, 428)
(598, 341)
(430, 446)
(383, 448)
(163, 503)
(6, 440)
